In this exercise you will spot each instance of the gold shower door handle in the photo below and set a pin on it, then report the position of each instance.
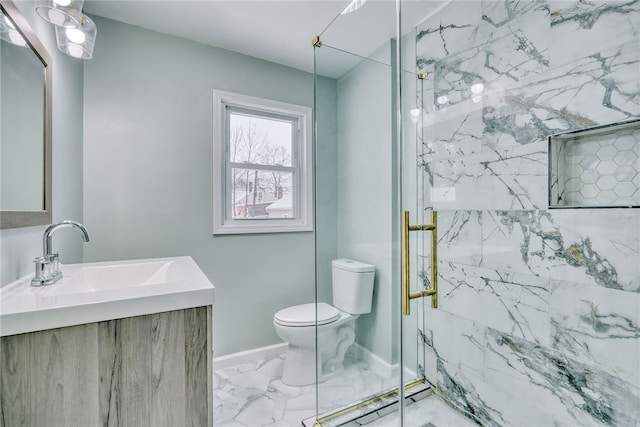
(407, 295)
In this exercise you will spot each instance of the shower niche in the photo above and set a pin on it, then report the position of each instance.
(596, 167)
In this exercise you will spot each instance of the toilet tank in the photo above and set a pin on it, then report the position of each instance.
(352, 283)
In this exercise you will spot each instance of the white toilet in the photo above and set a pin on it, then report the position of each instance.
(352, 284)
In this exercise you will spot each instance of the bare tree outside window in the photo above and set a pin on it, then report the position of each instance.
(261, 157)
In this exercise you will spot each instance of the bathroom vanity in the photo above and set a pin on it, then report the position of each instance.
(116, 343)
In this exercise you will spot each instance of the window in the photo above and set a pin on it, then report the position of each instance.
(262, 166)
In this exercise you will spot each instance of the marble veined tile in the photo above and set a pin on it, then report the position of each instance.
(270, 367)
(451, 30)
(251, 380)
(248, 389)
(455, 75)
(280, 423)
(457, 341)
(252, 394)
(516, 56)
(493, 67)
(430, 364)
(521, 241)
(582, 28)
(570, 245)
(573, 391)
(236, 388)
(516, 304)
(507, 18)
(431, 409)
(492, 405)
(451, 133)
(515, 179)
(304, 406)
(422, 350)
(599, 89)
(598, 324)
(357, 379)
(512, 46)
(602, 243)
(463, 393)
(459, 236)
(257, 412)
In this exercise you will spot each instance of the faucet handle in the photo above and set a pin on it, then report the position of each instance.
(47, 270)
(43, 267)
(54, 264)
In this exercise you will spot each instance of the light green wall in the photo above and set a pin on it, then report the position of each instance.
(18, 247)
(365, 194)
(148, 163)
(328, 186)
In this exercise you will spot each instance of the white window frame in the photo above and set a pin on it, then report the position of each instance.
(223, 222)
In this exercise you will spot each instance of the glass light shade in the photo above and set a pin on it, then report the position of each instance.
(78, 42)
(9, 33)
(61, 13)
(14, 37)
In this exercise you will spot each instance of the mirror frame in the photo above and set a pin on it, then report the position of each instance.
(15, 219)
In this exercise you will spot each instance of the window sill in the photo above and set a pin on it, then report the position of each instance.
(261, 229)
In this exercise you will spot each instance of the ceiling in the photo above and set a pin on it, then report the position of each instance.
(279, 31)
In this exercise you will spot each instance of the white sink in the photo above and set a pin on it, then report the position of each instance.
(117, 276)
(100, 291)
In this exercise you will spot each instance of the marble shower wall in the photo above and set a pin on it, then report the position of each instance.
(539, 318)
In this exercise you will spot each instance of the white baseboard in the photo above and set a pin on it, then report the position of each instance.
(378, 364)
(249, 355)
(375, 362)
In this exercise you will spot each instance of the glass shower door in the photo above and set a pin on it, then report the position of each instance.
(358, 212)
(355, 221)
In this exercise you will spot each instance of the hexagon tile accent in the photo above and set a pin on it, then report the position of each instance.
(595, 168)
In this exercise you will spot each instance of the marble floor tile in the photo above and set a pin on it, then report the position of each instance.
(253, 395)
(429, 410)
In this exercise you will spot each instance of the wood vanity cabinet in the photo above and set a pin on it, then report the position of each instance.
(151, 370)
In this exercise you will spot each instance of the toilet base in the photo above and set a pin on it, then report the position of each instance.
(333, 362)
(299, 367)
(300, 362)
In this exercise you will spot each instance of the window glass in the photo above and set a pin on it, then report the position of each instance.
(261, 194)
(260, 140)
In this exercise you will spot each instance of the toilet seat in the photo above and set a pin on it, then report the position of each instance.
(305, 315)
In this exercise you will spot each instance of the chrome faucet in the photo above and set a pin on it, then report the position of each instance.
(48, 265)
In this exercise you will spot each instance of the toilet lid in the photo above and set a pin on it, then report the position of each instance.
(305, 315)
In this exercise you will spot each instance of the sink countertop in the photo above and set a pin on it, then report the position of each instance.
(99, 291)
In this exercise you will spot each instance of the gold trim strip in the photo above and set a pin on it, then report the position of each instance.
(374, 399)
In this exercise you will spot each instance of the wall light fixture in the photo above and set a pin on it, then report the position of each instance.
(62, 13)
(78, 42)
(75, 32)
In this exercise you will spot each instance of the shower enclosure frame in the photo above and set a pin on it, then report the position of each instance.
(416, 388)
